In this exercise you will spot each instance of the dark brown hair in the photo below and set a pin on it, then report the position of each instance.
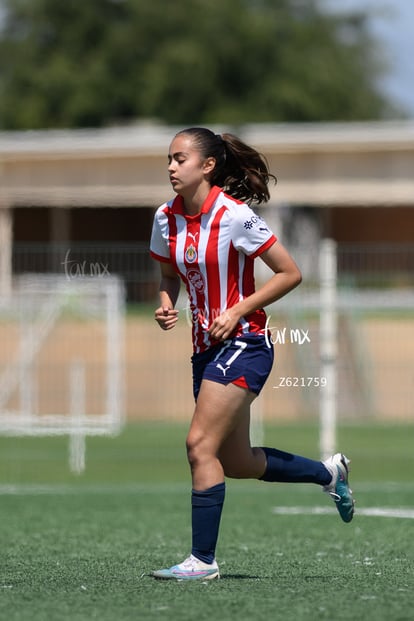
(240, 170)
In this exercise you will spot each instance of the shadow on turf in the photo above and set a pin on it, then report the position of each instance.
(222, 577)
(240, 577)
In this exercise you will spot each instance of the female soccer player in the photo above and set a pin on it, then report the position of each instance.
(208, 237)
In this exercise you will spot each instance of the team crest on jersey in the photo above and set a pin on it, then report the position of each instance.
(191, 254)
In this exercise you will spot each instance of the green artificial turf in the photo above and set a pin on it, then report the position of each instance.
(82, 547)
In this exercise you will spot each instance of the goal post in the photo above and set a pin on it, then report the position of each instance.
(61, 359)
(328, 346)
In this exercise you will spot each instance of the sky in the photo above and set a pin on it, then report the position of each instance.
(393, 24)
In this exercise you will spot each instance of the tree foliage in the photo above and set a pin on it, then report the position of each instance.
(76, 63)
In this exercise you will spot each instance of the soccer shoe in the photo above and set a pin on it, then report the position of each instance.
(338, 488)
(190, 569)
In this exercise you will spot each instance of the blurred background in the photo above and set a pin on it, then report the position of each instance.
(91, 94)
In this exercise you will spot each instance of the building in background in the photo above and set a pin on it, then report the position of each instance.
(95, 191)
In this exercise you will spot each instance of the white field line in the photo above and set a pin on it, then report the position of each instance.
(37, 489)
(23, 489)
(388, 512)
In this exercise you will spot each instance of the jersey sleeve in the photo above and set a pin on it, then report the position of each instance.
(159, 248)
(250, 233)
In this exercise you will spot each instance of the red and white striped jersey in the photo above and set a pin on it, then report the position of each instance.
(213, 253)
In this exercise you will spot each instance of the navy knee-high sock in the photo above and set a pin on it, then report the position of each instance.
(288, 468)
(206, 513)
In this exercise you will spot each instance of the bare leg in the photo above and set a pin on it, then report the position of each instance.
(222, 412)
(239, 459)
(217, 417)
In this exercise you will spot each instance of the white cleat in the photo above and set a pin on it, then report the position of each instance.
(190, 569)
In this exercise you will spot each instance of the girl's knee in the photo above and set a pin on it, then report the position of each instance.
(197, 448)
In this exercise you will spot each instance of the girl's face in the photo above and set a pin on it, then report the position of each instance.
(186, 169)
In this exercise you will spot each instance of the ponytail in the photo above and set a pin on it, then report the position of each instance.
(246, 174)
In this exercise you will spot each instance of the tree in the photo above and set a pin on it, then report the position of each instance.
(69, 63)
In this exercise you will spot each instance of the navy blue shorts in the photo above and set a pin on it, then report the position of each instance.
(244, 360)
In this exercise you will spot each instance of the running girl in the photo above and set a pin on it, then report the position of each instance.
(208, 236)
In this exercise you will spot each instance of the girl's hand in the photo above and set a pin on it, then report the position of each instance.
(166, 317)
(223, 326)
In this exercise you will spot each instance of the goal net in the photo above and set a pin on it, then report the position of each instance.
(61, 357)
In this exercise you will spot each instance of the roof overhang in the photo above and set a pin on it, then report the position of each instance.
(321, 164)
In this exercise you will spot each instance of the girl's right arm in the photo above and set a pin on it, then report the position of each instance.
(165, 315)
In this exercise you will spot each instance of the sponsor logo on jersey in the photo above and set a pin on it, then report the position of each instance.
(255, 221)
(196, 279)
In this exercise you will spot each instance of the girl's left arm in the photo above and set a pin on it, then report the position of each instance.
(286, 277)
